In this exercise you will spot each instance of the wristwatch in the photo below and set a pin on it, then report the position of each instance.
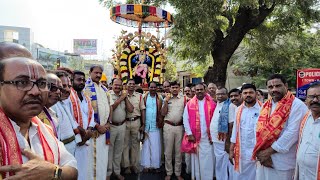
(57, 173)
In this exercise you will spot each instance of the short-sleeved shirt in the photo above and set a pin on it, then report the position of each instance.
(175, 109)
(119, 114)
(136, 100)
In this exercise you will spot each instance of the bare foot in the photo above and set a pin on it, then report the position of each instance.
(179, 178)
(127, 171)
(167, 178)
(119, 177)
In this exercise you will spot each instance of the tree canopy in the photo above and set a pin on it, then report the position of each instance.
(216, 27)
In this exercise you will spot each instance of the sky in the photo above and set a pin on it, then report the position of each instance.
(55, 23)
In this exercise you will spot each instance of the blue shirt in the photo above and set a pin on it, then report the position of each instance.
(151, 114)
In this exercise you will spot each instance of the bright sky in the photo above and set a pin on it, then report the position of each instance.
(55, 23)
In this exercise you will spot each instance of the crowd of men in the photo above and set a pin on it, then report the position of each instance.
(63, 125)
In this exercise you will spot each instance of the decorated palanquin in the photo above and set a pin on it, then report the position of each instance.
(140, 56)
(143, 64)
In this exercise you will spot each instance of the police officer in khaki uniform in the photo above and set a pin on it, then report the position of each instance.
(172, 110)
(135, 124)
(120, 106)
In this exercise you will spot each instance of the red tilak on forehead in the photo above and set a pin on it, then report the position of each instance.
(33, 72)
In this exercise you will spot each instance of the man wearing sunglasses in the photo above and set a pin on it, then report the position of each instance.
(29, 148)
(68, 131)
(48, 116)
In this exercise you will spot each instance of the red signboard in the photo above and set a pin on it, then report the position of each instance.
(304, 78)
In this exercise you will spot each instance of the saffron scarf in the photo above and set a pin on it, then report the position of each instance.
(303, 122)
(194, 121)
(269, 125)
(75, 101)
(93, 96)
(10, 149)
(237, 147)
(46, 118)
(224, 117)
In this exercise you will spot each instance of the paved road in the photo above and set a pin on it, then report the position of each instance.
(154, 176)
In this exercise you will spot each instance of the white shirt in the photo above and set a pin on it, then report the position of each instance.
(203, 124)
(248, 121)
(286, 145)
(307, 156)
(85, 113)
(66, 120)
(215, 120)
(66, 159)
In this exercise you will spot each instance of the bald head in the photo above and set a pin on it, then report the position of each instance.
(23, 88)
(8, 50)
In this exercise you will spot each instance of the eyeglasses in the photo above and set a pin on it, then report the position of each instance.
(311, 97)
(54, 88)
(27, 85)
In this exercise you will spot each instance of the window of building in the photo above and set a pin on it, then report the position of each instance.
(11, 36)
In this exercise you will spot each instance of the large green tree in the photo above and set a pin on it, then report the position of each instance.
(284, 54)
(217, 27)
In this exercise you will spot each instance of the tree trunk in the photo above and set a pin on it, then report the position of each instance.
(224, 47)
(217, 73)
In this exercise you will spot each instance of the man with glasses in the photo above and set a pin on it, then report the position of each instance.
(83, 114)
(219, 129)
(48, 116)
(277, 131)
(29, 148)
(68, 131)
(308, 154)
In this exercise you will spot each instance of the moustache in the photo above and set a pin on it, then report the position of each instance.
(35, 100)
(315, 103)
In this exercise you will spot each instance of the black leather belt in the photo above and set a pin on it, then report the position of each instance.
(133, 119)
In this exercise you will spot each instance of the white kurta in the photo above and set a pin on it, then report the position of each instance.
(309, 148)
(284, 160)
(222, 167)
(66, 124)
(84, 154)
(66, 159)
(202, 163)
(248, 121)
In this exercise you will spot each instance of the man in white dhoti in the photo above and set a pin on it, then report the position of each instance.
(197, 139)
(83, 113)
(220, 126)
(102, 116)
(67, 126)
(151, 148)
(308, 154)
(243, 135)
(277, 132)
